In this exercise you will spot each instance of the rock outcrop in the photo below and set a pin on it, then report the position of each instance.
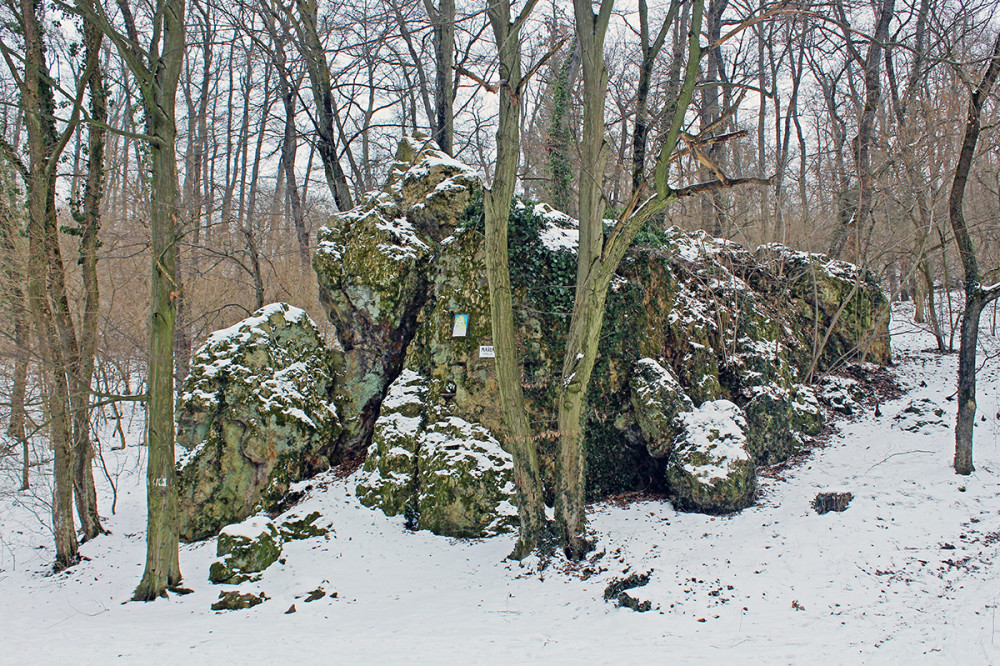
(689, 320)
(712, 470)
(439, 471)
(256, 414)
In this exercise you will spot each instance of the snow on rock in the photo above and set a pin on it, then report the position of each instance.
(372, 266)
(245, 549)
(657, 398)
(256, 413)
(711, 470)
(441, 472)
(906, 575)
(922, 415)
(721, 322)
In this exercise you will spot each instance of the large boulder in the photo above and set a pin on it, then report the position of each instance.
(657, 398)
(689, 319)
(372, 265)
(826, 294)
(441, 472)
(256, 414)
(711, 470)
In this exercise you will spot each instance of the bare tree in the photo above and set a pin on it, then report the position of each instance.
(977, 295)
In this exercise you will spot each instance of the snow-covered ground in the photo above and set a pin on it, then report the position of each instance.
(904, 574)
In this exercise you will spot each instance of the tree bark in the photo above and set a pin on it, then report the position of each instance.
(90, 224)
(158, 80)
(976, 295)
(443, 19)
(497, 203)
(46, 288)
(314, 58)
(12, 270)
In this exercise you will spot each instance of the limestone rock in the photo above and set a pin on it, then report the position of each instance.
(821, 287)
(395, 272)
(372, 266)
(441, 472)
(657, 398)
(711, 470)
(257, 413)
(245, 549)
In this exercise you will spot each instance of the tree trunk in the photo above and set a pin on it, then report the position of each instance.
(12, 270)
(443, 18)
(976, 296)
(497, 203)
(162, 564)
(314, 58)
(44, 148)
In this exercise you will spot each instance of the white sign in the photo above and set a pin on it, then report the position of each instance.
(486, 351)
(460, 326)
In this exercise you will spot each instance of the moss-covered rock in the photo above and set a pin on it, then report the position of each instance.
(244, 549)
(372, 266)
(830, 295)
(293, 529)
(464, 479)
(236, 600)
(711, 470)
(387, 479)
(396, 272)
(778, 419)
(256, 414)
(441, 472)
(657, 398)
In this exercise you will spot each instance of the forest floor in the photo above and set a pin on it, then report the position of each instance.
(905, 573)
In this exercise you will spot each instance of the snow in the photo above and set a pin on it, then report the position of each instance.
(905, 574)
(251, 528)
(560, 232)
(715, 429)
(242, 331)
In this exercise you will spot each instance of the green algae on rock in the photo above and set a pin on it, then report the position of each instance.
(711, 470)
(256, 414)
(443, 473)
(244, 549)
(723, 322)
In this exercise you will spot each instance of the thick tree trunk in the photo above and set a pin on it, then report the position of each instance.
(497, 203)
(162, 563)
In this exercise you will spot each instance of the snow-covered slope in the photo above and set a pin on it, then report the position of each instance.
(905, 573)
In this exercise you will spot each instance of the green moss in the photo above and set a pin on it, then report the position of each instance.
(240, 555)
(256, 414)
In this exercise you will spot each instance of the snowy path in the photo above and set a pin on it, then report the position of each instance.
(906, 573)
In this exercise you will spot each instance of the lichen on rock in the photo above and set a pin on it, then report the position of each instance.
(244, 549)
(722, 322)
(256, 413)
(372, 266)
(711, 470)
(657, 398)
(443, 473)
